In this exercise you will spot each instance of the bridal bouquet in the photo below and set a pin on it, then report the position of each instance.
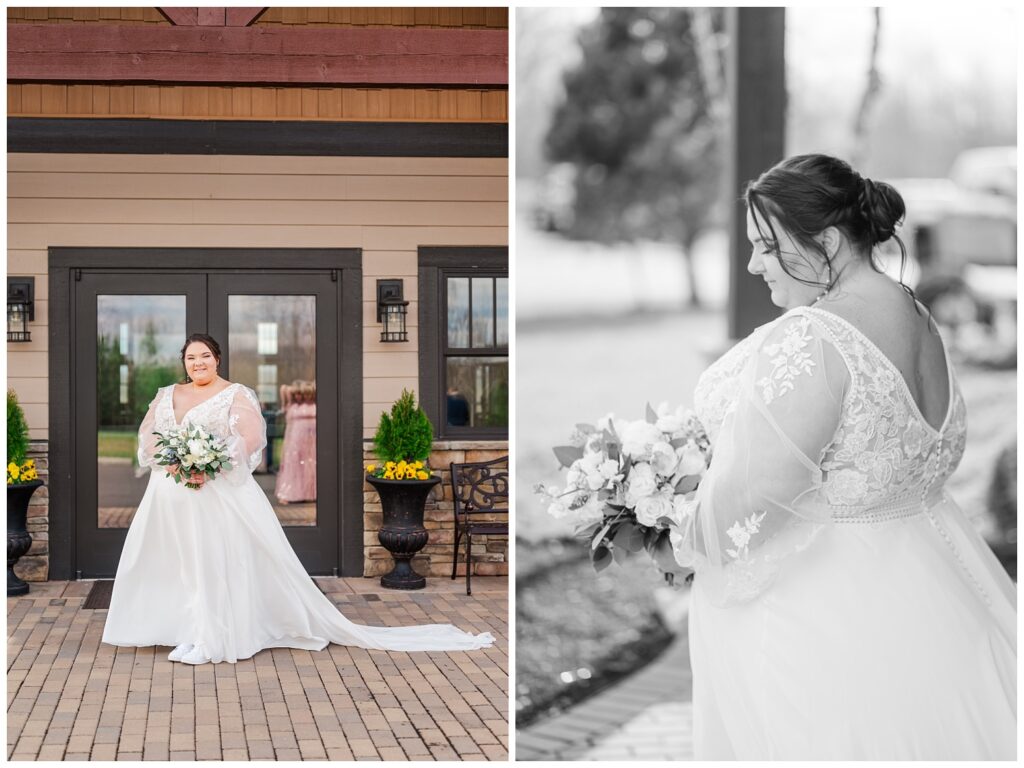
(194, 450)
(629, 483)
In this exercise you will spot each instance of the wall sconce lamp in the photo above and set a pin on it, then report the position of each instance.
(21, 292)
(391, 310)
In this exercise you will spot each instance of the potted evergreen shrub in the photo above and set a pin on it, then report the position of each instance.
(403, 480)
(22, 481)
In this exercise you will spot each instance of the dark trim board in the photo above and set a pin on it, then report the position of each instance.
(64, 262)
(255, 137)
(246, 259)
(464, 257)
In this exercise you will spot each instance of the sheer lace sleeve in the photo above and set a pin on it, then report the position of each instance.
(758, 503)
(147, 440)
(247, 435)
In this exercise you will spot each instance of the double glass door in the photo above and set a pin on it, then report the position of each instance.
(277, 333)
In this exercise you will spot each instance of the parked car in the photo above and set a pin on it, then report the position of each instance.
(961, 239)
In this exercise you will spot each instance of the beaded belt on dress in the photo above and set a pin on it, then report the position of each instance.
(909, 505)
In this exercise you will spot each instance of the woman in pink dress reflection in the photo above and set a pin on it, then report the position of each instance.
(296, 477)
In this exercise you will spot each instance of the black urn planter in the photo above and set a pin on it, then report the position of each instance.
(402, 533)
(18, 538)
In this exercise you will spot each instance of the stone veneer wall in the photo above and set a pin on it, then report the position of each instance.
(490, 553)
(35, 565)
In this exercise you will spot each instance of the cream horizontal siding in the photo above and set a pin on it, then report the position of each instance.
(310, 213)
(389, 207)
(248, 165)
(168, 186)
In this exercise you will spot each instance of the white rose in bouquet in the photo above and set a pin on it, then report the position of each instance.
(651, 508)
(671, 423)
(691, 460)
(609, 470)
(641, 484)
(638, 437)
(663, 459)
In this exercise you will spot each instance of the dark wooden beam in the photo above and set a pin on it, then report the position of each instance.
(249, 137)
(757, 92)
(267, 55)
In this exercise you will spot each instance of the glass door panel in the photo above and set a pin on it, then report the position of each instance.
(272, 349)
(127, 336)
(138, 343)
(278, 332)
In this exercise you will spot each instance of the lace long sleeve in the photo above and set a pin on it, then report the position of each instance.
(758, 502)
(147, 440)
(247, 435)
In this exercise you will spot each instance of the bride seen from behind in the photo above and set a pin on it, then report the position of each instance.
(843, 607)
(207, 569)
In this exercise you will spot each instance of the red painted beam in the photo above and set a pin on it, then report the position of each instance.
(269, 55)
(212, 17)
(242, 17)
(183, 17)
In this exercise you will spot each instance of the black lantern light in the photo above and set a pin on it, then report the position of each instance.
(21, 293)
(391, 310)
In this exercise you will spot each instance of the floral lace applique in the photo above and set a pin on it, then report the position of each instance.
(742, 533)
(882, 447)
(788, 358)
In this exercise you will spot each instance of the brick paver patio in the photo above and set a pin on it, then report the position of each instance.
(70, 697)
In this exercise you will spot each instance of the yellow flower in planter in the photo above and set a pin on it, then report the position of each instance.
(421, 475)
(371, 468)
(13, 472)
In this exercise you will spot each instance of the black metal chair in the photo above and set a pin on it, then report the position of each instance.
(478, 489)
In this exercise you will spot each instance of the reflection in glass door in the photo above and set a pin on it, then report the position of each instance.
(127, 334)
(272, 348)
(138, 342)
(278, 332)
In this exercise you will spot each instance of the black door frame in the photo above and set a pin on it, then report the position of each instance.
(306, 541)
(105, 544)
(65, 267)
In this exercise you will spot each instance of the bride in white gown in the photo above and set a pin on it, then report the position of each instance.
(843, 607)
(210, 571)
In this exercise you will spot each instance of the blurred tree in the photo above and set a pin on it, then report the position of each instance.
(872, 91)
(642, 122)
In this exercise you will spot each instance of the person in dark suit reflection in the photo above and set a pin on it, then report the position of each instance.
(458, 408)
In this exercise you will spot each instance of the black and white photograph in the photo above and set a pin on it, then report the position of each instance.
(765, 443)
(257, 368)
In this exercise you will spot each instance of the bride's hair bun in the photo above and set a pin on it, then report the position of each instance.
(882, 208)
(806, 194)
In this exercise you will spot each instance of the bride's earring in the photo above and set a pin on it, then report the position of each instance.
(828, 285)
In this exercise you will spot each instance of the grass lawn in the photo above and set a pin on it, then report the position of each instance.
(112, 444)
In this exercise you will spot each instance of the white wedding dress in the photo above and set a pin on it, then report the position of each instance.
(843, 607)
(211, 571)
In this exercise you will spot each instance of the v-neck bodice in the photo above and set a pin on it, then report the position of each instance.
(211, 413)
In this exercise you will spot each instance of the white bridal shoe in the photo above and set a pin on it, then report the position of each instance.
(195, 656)
(178, 653)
